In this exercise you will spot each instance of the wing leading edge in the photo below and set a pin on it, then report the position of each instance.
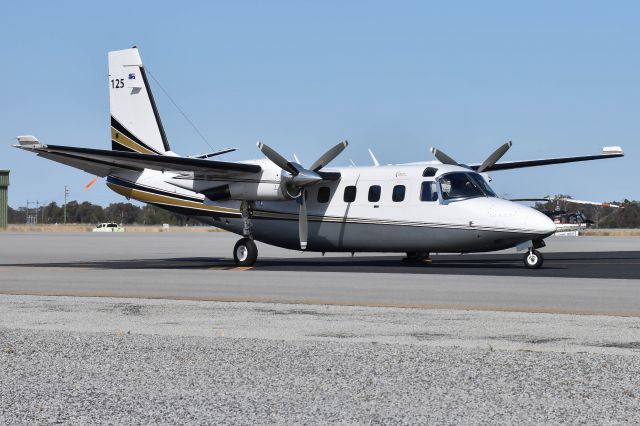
(607, 152)
(104, 162)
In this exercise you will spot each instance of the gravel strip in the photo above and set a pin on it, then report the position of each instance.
(131, 361)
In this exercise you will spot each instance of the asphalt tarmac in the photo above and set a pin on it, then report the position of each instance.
(161, 344)
(576, 277)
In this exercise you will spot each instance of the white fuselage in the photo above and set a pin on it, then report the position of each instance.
(338, 221)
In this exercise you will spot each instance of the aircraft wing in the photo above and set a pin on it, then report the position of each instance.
(607, 152)
(103, 162)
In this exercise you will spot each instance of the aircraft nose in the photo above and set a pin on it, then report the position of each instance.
(540, 223)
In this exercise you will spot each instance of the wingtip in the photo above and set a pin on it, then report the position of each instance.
(613, 150)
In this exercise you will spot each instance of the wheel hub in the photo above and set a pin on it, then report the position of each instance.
(242, 253)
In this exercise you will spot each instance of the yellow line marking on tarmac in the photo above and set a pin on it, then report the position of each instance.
(230, 268)
(241, 268)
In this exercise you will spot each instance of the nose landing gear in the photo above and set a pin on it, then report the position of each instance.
(533, 259)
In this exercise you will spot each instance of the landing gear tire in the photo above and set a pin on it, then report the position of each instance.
(417, 257)
(533, 259)
(245, 252)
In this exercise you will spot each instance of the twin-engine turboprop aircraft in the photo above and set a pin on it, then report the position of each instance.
(415, 208)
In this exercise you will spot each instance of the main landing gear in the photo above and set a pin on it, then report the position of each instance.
(417, 257)
(533, 259)
(245, 252)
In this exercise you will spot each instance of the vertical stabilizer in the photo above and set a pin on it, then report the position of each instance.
(135, 122)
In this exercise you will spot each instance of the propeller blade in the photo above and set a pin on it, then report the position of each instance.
(494, 157)
(276, 158)
(442, 157)
(87, 186)
(328, 156)
(303, 230)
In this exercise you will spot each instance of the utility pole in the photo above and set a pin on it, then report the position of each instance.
(32, 219)
(37, 208)
(66, 194)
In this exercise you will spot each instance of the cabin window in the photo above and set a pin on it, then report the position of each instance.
(323, 194)
(374, 193)
(428, 191)
(350, 194)
(398, 193)
(429, 172)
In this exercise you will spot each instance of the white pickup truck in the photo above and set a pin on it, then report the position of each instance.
(108, 227)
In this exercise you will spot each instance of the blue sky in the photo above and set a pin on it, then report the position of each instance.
(556, 78)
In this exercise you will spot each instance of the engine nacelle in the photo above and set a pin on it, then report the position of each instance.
(271, 185)
(266, 191)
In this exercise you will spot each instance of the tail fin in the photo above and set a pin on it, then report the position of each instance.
(135, 122)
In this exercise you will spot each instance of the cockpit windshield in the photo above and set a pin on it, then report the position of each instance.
(460, 185)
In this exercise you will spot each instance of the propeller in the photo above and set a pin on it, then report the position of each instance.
(494, 157)
(301, 178)
(487, 164)
(442, 157)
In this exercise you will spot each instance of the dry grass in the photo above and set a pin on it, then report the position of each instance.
(611, 233)
(87, 228)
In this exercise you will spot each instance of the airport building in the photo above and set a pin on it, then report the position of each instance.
(4, 198)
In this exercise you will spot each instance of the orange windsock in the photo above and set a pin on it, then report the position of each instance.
(91, 183)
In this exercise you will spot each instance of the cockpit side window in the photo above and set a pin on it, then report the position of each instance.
(483, 185)
(461, 185)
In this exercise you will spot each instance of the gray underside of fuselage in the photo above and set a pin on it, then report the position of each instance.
(367, 237)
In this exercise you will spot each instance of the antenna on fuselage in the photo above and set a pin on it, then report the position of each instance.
(373, 158)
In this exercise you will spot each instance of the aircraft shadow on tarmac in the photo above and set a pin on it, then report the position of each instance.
(624, 265)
